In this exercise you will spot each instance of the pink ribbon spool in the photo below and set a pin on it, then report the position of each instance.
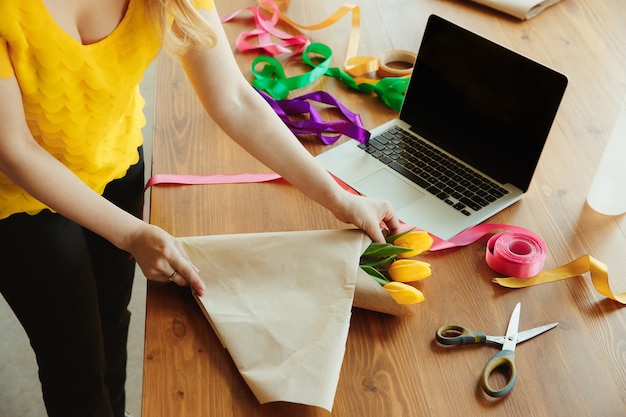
(516, 254)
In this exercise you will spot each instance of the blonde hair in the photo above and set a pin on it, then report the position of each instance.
(180, 25)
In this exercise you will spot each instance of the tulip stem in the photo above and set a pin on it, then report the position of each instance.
(376, 274)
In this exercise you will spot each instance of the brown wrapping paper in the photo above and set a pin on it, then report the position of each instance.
(281, 304)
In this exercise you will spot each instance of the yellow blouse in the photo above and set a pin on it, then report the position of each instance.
(82, 102)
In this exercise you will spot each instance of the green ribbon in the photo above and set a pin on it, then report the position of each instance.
(272, 79)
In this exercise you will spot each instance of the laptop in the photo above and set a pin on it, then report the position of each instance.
(472, 127)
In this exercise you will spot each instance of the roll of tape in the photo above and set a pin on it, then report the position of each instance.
(516, 254)
(396, 63)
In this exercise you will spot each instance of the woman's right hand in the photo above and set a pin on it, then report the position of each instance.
(162, 258)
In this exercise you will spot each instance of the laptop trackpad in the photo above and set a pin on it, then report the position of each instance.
(384, 185)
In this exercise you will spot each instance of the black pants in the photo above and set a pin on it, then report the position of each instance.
(70, 290)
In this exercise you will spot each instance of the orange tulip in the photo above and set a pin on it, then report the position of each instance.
(409, 270)
(403, 293)
(417, 241)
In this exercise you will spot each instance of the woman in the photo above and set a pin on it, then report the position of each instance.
(71, 175)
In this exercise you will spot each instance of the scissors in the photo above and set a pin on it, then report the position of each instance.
(504, 360)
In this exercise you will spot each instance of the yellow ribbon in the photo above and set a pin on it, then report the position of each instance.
(586, 263)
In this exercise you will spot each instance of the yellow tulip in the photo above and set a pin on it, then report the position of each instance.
(419, 242)
(409, 270)
(403, 293)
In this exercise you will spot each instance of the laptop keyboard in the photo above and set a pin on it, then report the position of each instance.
(433, 170)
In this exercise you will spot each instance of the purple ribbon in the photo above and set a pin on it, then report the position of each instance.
(327, 131)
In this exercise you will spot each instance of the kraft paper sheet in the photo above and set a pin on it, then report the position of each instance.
(522, 9)
(281, 305)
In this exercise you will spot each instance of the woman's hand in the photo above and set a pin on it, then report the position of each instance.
(162, 258)
(368, 214)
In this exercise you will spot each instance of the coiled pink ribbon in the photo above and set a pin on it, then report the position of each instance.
(516, 254)
(516, 251)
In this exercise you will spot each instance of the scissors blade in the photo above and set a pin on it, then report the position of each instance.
(510, 339)
(530, 333)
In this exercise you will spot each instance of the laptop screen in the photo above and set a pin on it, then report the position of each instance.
(481, 102)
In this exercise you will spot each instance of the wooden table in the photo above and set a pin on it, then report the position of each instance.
(392, 366)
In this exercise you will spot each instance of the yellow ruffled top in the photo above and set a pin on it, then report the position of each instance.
(82, 102)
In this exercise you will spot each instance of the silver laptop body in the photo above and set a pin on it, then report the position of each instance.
(481, 110)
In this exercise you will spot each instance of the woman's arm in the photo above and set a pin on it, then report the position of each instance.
(245, 116)
(27, 164)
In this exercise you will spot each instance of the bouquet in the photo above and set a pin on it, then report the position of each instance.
(269, 288)
(389, 265)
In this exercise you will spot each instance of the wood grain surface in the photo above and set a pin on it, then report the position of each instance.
(393, 366)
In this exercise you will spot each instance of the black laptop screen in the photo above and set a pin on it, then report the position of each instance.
(483, 103)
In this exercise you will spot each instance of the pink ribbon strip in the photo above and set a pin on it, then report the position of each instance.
(472, 234)
(265, 31)
(186, 179)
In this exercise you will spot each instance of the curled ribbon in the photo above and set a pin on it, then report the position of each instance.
(327, 131)
(586, 263)
(389, 61)
(355, 67)
(271, 77)
(354, 64)
(391, 90)
(265, 30)
(516, 254)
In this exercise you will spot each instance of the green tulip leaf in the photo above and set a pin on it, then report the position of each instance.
(376, 274)
(376, 262)
(380, 250)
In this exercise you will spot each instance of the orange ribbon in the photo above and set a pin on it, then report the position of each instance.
(586, 263)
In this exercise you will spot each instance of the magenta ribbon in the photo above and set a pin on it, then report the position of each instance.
(264, 31)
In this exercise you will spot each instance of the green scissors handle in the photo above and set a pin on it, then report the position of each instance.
(502, 360)
(458, 335)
